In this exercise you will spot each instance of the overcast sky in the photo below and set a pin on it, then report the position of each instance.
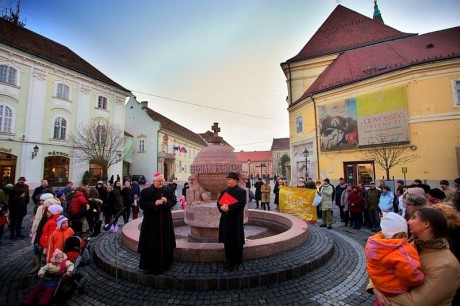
(204, 61)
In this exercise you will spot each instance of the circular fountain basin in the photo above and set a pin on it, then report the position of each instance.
(292, 232)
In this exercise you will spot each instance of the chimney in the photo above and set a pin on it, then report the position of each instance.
(145, 104)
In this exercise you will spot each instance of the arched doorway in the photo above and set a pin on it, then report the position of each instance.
(7, 168)
(56, 170)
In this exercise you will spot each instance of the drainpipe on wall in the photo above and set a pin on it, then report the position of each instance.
(290, 85)
(316, 136)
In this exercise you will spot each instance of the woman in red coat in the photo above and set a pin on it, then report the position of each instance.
(77, 211)
(54, 211)
(355, 206)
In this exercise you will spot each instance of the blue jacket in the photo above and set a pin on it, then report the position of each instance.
(386, 201)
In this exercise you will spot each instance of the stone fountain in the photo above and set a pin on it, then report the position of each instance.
(208, 179)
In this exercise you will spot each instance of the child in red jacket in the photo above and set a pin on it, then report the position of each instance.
(393, 263)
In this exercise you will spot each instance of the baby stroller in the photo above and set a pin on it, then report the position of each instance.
(77, 250)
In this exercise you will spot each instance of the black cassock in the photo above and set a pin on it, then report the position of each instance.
(231, 225)
(157, 240)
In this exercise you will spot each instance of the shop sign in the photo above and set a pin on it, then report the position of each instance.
(56, 153)
(5, 150)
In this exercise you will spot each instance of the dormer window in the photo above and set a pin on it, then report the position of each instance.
(102, 102)
(63, 91)
(8, 75)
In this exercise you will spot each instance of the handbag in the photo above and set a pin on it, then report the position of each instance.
(317, 200)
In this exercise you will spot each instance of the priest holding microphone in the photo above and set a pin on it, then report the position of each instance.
(231, 203)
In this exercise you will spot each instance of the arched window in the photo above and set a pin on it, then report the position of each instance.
(101, 134)
(63, 91)
(60, 128)
(6, 119)
(8, 75)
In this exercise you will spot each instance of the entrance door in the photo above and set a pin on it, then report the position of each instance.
(7, 169)
(56, 170)
(357, 172)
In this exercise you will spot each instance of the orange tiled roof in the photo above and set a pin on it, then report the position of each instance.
(255, 156)
(47, 49)
(344, 30)
(371, 61)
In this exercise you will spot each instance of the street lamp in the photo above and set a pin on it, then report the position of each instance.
(305, 153)
(249, 166)
(262, 165)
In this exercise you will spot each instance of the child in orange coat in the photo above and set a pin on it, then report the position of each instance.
(58, 237)
(393, 263)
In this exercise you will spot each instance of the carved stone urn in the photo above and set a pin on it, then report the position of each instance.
(211, 166)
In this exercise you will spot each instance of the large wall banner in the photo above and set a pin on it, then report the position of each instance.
(368, 120)
(298, 202)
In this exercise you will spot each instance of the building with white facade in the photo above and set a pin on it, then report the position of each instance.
(159, 143)
(46, 91)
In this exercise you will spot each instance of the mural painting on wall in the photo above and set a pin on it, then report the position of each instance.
(368, 120)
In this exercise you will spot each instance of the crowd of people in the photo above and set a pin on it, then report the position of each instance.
(414, 225)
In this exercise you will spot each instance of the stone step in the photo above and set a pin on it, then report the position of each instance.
(112, 257)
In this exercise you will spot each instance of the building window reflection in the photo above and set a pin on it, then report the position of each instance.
(56, 170)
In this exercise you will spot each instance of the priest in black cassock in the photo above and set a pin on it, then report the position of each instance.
(231, 204)
(156, 241)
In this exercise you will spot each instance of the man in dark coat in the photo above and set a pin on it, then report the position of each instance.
(157, 240)
(128, 200)
(258, 186)
(231, 226)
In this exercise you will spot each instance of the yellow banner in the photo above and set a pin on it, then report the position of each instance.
(298, 202)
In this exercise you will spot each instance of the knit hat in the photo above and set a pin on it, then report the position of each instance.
(457, 180)
(59, 193)
(400, 182)
(55, 209)
(9, 186)
(437, 193)
(60, 220)
(416, 199)
(56, 253)
(50, 202)
(46, 196)
(392, 223)
(444, 182)
(416, 190)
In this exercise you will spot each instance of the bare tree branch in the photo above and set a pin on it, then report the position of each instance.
(388, 156)
(99, 142)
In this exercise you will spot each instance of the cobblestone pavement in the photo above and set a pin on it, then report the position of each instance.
(341, 281)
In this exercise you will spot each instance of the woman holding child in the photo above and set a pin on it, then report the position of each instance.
(440, 267)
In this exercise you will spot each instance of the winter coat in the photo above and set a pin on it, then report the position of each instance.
(78, 205)
(128, 197)
(156, 240)
(258, 186)
(442, 278)
(355, 202)
(338, 194)
(114, 201)
(326, 192)
(57, 240)
(18, 207)
(231, 227)
(386, 201)
(265, 190)
(57, 268)
(48, 229)
(344, 200)
(372, 198)
(393, 265)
